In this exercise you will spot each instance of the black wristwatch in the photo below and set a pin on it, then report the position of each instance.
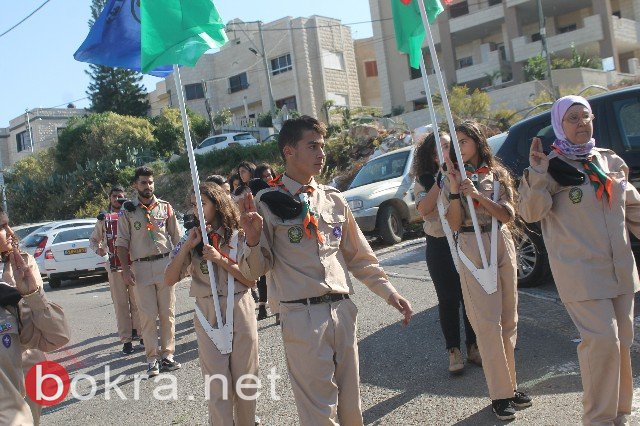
(453, 196)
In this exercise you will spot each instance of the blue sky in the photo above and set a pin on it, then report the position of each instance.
(37, 68)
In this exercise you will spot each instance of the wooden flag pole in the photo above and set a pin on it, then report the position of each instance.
(223, 335)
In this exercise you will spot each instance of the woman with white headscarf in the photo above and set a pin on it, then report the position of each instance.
(581, 196)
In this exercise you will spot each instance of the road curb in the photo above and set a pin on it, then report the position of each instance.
(399, 246)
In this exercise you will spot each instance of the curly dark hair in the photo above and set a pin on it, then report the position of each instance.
(472, 129)
(424, 156)
(227, 211)
(260, 169)
(249, 166)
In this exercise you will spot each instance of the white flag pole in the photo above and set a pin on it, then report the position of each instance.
(196, 186)
(454, 137)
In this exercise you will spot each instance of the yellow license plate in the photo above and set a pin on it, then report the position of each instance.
(75, 251)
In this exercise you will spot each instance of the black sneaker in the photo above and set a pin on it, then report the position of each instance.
(127, 348)
(503, 409)
(262, 313)
(167, 365)
(521, 400)
(134, 335)
(153, 370)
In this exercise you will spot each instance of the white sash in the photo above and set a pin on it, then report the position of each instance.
(222, 337)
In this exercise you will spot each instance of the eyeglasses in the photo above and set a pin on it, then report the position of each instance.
(584, 119)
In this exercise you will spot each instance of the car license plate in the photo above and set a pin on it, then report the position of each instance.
(75, 251)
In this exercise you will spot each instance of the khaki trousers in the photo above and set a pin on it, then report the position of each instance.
(494, 317)
(124, 303)
(606, 329)
(155, 299)
(322, 358)
(31, 357)
(223, 398)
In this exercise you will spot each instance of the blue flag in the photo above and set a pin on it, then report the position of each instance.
(114, 39)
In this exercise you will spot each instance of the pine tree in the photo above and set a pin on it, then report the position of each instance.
(115, 89)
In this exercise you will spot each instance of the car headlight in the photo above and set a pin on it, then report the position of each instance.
(355, 204)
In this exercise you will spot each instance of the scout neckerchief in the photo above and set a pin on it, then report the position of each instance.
(214, 237)
(310, 221)
(601, 183)
(147, 215)
(473, 175)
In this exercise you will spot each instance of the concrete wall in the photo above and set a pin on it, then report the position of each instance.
(369, 86)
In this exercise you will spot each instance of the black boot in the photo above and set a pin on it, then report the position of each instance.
(262, 312)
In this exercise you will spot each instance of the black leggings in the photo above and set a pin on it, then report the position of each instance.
(262, 289)
(447, 283)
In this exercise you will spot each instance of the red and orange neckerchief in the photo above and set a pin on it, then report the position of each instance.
(602, 183)
(214, 237)
(310, 221)
(470, 172)
(147, 215)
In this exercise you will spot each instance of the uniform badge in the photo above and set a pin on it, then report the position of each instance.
(159, 223)
(137, 225)
(295, 234)
(623, 183)
(575, 195)
(337, 231)
(203, 267)
(5, 327)
(6, 341)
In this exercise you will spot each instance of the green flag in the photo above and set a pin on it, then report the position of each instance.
(407, 22)
(178, 31)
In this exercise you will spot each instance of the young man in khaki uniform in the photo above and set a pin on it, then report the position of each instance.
(305, 234)
(102, 242)
(27, 321)
(147, 232)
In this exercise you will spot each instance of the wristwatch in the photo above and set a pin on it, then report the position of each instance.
(453, 196)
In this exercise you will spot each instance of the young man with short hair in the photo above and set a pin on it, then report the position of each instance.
(148, 231)
(305, 234)
(102, 242)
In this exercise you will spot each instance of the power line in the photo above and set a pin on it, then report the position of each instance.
(314, 26)
(25, 18)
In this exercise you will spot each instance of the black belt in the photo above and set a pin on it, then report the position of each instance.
(151, 258)
(483, 228)
(327, 298)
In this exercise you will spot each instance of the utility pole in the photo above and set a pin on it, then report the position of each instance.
(29, 129)
(272, 106)
(545, 50)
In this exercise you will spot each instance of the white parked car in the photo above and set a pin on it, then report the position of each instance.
(224, 141)
(65, 254)
(23, 231)
(381, 196)
(35, 242)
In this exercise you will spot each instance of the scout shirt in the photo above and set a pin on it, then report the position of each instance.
(100, 239)
(485, 187)
(42, 327)
(303, 267)
(134, 235)
(432, 224)
(587, 242)
(196, 266)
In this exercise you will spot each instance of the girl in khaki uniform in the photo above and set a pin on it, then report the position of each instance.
(494, 317)
(222, 217)
(586, 206)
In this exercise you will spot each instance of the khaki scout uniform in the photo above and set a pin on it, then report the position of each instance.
(43, 328)
(123, 297)
(494, 317)
(319, 339)
(150, 258)
(244, 357)
(595, 273)
(432, 224)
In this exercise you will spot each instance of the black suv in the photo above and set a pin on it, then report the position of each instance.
(616, 126)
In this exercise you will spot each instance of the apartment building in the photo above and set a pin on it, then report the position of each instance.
(368, 72)
(483, 43)
(309, 61)
(33, 131)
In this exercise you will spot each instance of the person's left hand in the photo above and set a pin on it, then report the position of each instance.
(24, 275)
(211, 254)
(467, 188)
(402, 305)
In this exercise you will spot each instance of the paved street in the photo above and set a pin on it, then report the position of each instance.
(403, 370)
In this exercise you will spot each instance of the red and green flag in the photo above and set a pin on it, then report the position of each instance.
(407, 22)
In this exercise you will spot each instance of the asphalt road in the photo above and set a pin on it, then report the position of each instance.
(403, 370)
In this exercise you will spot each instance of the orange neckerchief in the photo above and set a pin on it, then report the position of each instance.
(471, 172)
(310, 221)
(601, 183)
(215, 238)
(147, 215)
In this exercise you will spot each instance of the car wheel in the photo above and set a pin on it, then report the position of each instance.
(390, 225)
(532, 262)
(55, 282)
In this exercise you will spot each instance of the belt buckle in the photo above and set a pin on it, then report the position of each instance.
(326, 298)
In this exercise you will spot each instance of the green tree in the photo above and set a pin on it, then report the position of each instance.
(222, 118)
(107, 135)
(115, 89)
(169, 132)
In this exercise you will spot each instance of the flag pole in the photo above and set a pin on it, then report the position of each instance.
(436, 132)
(454, 137)
(196, 186)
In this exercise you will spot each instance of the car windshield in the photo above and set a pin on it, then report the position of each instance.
(33, 240)
(384, 168)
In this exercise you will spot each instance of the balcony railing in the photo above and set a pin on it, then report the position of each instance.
(484, 69)
(474, 19)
